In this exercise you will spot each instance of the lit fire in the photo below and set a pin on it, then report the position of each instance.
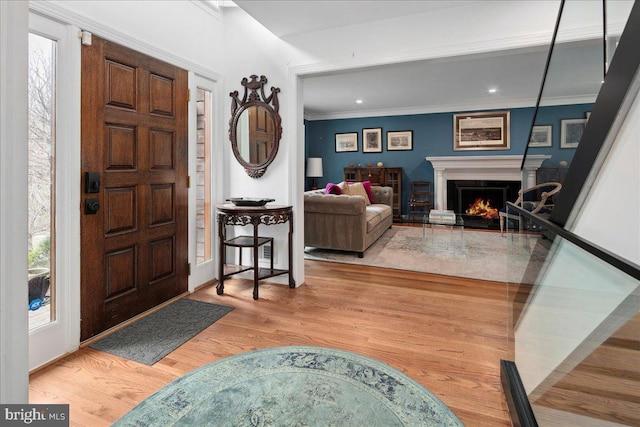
(482, 208)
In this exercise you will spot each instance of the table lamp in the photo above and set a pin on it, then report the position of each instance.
(314, 170)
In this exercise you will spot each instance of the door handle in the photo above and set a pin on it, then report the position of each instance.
(91, 206)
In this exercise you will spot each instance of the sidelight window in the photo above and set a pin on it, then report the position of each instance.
(41, 148)
(203, 176)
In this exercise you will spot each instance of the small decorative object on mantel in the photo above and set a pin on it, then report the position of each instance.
(380, 164)
(369, 164)
(248, 201)
(351, 164)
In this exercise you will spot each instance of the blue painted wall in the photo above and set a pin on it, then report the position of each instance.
(432, 136)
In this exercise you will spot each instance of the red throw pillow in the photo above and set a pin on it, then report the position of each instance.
(367, 188)
(333, 189)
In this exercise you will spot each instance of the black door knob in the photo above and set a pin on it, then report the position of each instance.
(91, 206)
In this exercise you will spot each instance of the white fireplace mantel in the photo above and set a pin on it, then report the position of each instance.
(494, 168)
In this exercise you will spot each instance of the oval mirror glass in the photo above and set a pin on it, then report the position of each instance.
(255, 134)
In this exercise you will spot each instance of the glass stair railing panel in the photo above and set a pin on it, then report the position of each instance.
(574, 331)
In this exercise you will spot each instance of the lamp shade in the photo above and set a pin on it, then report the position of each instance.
(314, 167)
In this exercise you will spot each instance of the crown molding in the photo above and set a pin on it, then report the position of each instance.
(447, 51)
(449, 108)
(209, 8)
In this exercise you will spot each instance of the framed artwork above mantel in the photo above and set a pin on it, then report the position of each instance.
(481, 131)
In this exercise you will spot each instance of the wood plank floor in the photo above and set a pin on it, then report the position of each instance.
(446, 333)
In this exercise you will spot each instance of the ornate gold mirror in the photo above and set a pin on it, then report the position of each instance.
(255, 126)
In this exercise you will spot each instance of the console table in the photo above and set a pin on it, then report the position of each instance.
(229, 214)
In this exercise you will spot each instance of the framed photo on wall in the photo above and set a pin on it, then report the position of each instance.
(372, 140)
(571, 132)
(400, 140)
(541, 136)
(481, 131)
(346, 142)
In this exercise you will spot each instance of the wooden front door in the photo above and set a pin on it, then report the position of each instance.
(134, 138)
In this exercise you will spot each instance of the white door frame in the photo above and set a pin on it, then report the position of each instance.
(62, 336)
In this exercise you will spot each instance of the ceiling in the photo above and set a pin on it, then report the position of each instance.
(288, 17)
(501, 79)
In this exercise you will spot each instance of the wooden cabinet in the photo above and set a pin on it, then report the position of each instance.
(385, 177)
(393, 179)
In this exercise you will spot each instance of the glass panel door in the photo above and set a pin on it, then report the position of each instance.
(42, 65)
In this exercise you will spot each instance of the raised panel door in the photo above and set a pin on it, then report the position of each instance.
(134, 134)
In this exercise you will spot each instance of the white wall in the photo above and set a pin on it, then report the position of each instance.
(616, 191)
(252, 49)
(14, 28)
(183, 33)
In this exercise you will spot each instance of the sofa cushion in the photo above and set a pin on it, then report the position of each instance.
(367, 188)
(357, 189)
(365, 184)
(332, 188)
(376, 213)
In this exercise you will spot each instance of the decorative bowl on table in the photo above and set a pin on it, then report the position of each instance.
(248, 201)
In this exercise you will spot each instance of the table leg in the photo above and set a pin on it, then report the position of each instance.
(256, 268)
(292, 282)
(221, 256)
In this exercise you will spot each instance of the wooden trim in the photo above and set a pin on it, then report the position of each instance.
(516, 396)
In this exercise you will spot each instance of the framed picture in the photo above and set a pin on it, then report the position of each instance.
(400, 140)
(346, 142)
(540, 136)
(372, 140)
(481, 131)
(571, 132)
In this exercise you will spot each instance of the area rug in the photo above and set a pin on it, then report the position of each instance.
(293, 386)
(477, 254)
(154, 336)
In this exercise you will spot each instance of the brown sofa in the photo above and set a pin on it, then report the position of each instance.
(344, 222)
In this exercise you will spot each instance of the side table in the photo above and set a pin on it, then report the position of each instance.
(229, 214)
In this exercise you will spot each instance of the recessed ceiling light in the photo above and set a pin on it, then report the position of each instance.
(358, 101)
(493, 90)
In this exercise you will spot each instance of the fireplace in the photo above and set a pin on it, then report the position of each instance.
(479, 201)
(496, 168)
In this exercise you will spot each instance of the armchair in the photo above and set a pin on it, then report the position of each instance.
(537, 199)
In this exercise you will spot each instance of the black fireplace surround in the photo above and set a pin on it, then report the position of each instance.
(462, 194)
